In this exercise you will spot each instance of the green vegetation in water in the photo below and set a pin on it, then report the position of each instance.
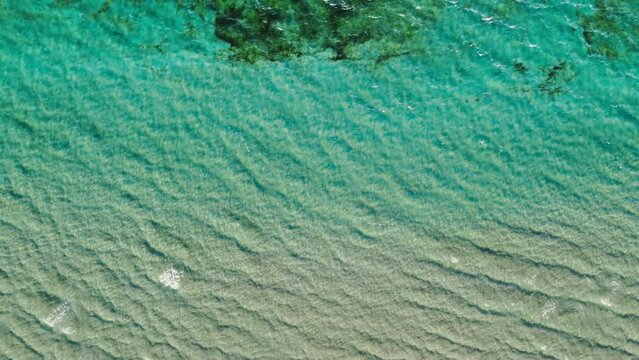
(520, 67)
(611, 29)
(106, 5)
(557, 77)
(275, 30)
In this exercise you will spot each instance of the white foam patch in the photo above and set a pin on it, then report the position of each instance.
(606, 302)
(530, 280)
(60, 313)
(171, 278)
(549, 309)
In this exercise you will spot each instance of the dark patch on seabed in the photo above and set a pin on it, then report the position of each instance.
(520, 67)
(605, 31)
(557, 76)
(275, 30)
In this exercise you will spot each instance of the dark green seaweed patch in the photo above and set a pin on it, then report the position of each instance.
(520, 67)
(610, 29)
(276, 29)
(387, 56)
(557, 76)
(256, 32)
(106, 5)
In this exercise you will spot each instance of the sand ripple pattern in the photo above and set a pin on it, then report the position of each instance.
(447, 205)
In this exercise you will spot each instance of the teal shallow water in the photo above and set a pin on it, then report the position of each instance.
(160, 201)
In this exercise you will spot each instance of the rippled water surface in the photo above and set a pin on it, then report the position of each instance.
(462, 184)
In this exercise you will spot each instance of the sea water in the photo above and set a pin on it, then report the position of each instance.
(475, 199)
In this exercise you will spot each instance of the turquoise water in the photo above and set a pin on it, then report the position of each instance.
(477, 198)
